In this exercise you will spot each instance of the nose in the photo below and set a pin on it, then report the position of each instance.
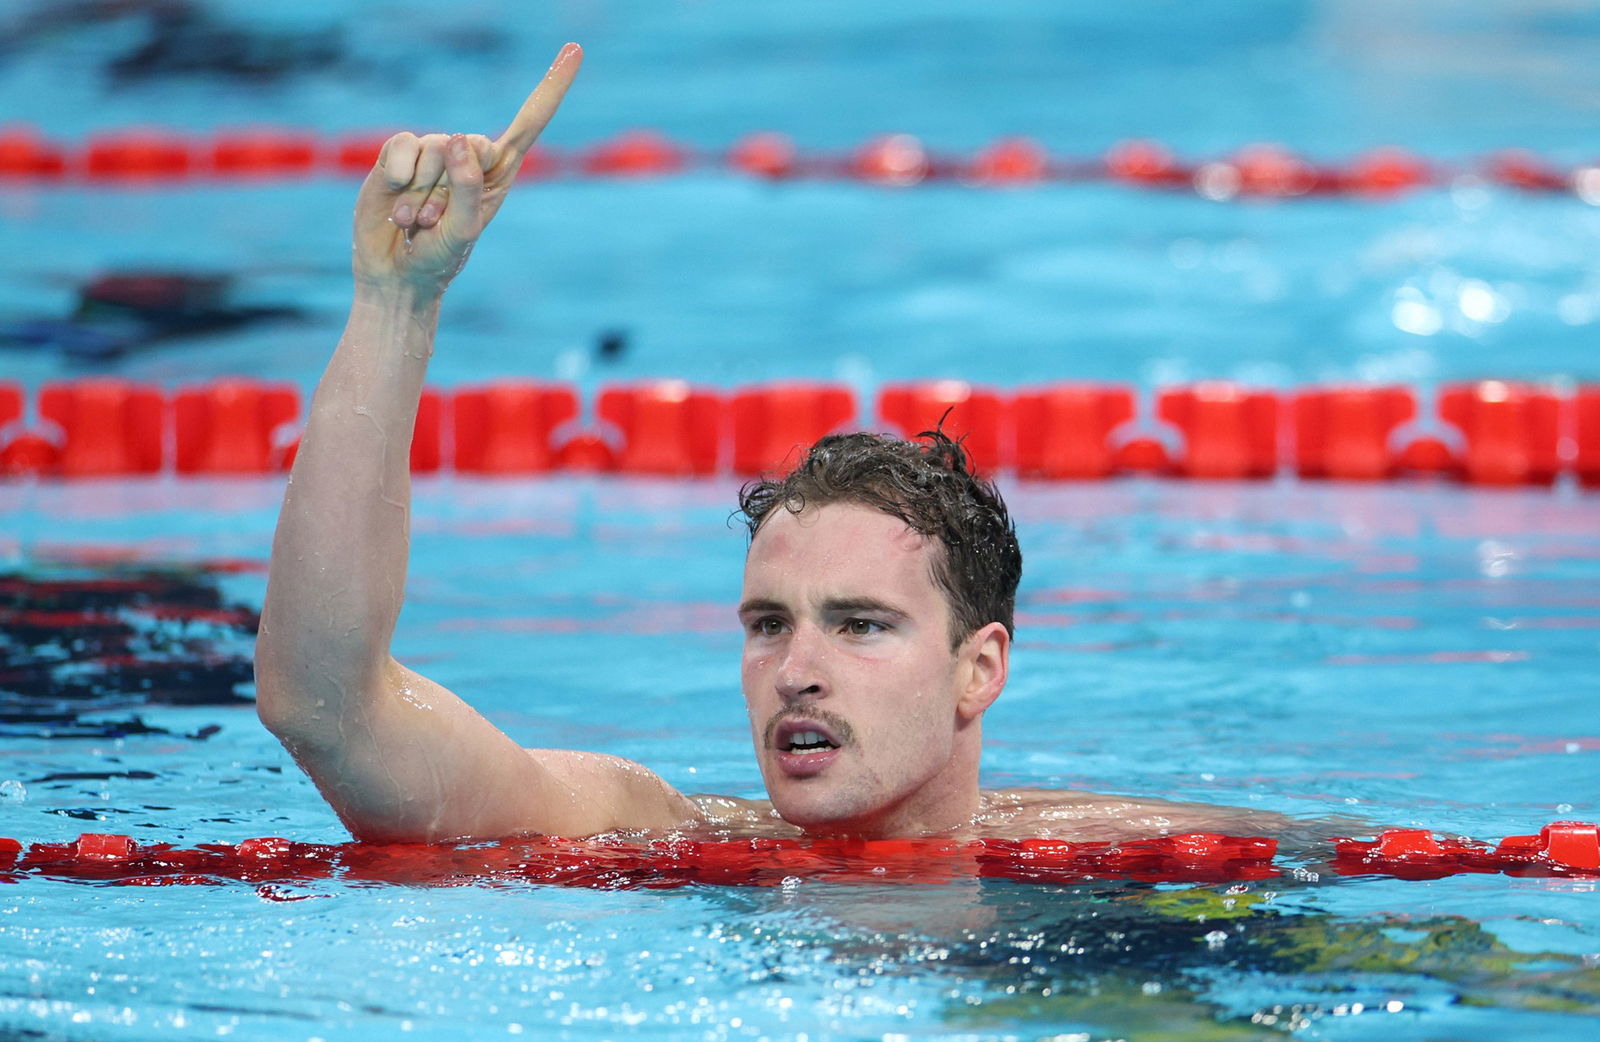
(800, 671)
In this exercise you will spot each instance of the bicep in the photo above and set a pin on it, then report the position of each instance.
(608, 793)
(413, 762)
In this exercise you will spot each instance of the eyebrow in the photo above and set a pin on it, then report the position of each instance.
(843, 605)
(832, 606)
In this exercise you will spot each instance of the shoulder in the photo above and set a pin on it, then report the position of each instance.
(1094, 816)
(735, 816)
(626, 794)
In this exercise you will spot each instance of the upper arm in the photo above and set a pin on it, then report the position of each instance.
(607, 793)
(412, 762)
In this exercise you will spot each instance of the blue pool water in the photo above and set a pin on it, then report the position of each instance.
(1404, 654)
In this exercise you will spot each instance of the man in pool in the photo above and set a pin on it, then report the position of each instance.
(877, 601)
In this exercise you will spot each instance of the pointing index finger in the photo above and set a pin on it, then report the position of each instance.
(542, 103)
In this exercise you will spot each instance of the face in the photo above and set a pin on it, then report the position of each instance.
(862, 715)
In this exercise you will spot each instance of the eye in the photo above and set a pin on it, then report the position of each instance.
(767, 626)
(862, 627)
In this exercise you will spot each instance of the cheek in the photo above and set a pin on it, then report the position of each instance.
(910, 695)
(752, 663)
(753, 670)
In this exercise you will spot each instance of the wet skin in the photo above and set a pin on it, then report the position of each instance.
(866, 716)
(865, 719)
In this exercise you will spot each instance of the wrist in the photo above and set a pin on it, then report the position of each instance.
(397, 295)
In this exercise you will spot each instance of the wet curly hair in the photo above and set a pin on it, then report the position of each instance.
(928, 483)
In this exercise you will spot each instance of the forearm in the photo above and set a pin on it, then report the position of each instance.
(399, 756)
(337, 575)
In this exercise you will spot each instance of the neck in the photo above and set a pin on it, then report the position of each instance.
(948, 802)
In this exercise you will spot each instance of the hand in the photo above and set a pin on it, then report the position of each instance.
(428, 199)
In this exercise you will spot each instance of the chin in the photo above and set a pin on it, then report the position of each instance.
(814, 811)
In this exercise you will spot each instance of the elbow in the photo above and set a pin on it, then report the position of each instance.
(286, 704)
(273, 693)
(276, 705)
(301, 697)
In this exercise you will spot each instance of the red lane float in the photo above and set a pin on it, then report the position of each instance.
(764, 155)
(234, 427)
(1147, 163)
(635, 153)
(139, 155)
(427, 437)
(958, 408)
(1228, 431)
(897, 160)
(109, 427)
(1347, 432)
(356, 154)
(1560, 848)
(506, 428)
(263, 152)
(1256, 171)
(1489, 433)
(668, 427)
(10, 404)
(1064, 431)
(1523, 169)
(1009, 161)
(24, 154)
(21, 451)
(1261, 170)
(1512, 432)
(1387, 171)
(775, 423)
(1587, 463)
(118, 860)
(1565, 848)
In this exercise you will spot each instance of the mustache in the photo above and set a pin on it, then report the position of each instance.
(837, 725)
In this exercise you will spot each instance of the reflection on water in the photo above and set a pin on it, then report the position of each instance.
(81, 639)
(1129, 960)
(973, 959)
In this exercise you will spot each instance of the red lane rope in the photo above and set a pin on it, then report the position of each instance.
(1490, 432)
(144, 155)
(1563, 848)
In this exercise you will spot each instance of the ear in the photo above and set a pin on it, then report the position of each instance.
(987, 655)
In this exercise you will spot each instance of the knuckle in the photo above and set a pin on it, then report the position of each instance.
(404, 139)
(398, 159)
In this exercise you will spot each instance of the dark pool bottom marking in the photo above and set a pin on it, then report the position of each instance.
(1559, 849)
(81, 641)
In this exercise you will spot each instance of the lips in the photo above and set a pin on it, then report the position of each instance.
(805, 742)
(804, 735)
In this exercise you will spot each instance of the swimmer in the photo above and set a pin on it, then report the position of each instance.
(876, 607)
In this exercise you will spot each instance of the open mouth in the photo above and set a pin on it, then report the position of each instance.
(807, 742)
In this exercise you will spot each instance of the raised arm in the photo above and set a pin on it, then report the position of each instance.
(399, 757)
